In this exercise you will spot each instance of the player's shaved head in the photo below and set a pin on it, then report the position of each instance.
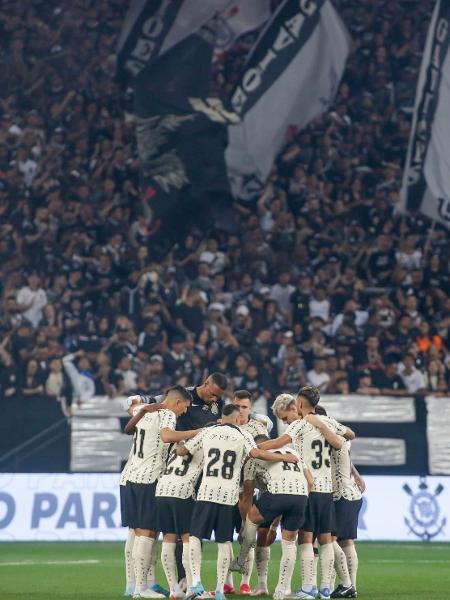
(307, 398)
(259, 439)
(177, 399)
(230, 414)
(178, 391)
(212, 388)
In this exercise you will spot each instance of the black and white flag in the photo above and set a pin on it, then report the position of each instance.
(291, 76)
(152, 27)
(181, 133)
(426, 178)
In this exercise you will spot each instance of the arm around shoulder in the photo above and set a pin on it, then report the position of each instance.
(278, 442)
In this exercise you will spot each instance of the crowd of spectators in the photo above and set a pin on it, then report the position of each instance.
(319, 282)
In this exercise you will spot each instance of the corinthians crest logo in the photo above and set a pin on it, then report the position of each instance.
(425, 521)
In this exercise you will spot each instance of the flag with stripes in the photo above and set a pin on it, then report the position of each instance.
(426, 177)
(291, 76)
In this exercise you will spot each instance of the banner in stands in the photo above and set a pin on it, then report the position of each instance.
(83, 507)
(181, 136)
(291, 77)
(426, 179)
(152, 27)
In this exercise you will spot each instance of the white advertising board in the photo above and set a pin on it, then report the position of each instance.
(86, 506)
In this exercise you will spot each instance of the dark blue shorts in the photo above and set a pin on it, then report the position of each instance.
(319, 513)
(173, 515)
(123, 507)
(347, 512)
(140, 505)
(209, 517)
(290, 507)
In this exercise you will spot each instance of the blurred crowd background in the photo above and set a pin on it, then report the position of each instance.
(317, 281)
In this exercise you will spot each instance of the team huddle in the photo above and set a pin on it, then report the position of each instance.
(199, 470)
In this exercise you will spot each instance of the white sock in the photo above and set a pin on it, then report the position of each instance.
(316, 564)
(151, 577)
(248, 538)
(333, 580)
(326, 565)
(307, 567)
(287, 565)
(142, 550)
(129, 567)
(340, 564)
(230, 573)
(186, 564)
(223, 564)
(352, 562)
(170, 566)
(262, 557)
(248, 567)
(195, 559)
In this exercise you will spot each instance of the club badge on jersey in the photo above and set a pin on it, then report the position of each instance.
(213, 407)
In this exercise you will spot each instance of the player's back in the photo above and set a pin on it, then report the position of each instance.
(315, 449)
(278, 477)
(180, 475)
(315, 452)
(341, 468)
(225, 448)
(149, 452)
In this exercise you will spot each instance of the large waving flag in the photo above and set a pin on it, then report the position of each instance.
(291, 76)
(152, 27)
(182, 134)
(426, 178)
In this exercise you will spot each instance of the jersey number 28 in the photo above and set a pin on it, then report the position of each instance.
(228, 462)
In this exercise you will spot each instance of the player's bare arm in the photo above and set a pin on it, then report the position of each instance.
(272, 456)
(182, 451)
(336, 441)
(358, 479)
(246, 500)
(309, 478)
(277, 443)
(349, 434)
(169, 436)
(146, 408)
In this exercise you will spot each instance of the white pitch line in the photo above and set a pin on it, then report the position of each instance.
(27, 563)
(400, 561)
(417, 546)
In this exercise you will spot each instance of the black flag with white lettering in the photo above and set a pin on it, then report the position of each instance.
(426, 178)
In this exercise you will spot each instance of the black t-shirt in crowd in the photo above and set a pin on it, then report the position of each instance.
(383, 382)
(381, 262)
(300, 306)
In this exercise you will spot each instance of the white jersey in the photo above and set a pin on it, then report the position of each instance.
(180, 475)
(278, 477)
(225, 448)
(255, 427)
(341, 468)
(149, 452)
(315, 450)
(126, 468)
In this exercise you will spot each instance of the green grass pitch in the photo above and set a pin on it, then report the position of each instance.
(86, 571)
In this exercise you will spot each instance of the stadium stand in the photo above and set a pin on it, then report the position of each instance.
(317, 281)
